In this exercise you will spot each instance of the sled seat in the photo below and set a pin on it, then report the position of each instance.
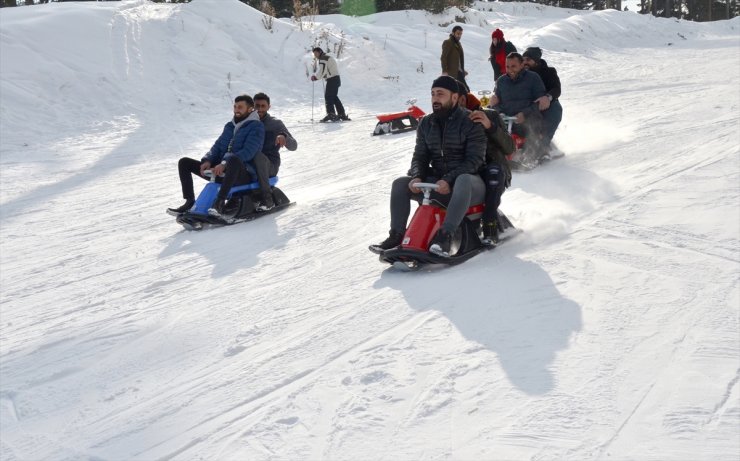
(210, 192)
(236, 190)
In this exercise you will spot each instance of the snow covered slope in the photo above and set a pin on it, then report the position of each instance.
(608, 330)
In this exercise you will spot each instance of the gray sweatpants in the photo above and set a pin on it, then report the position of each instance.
(468, 190)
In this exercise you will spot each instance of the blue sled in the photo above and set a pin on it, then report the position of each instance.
(210, 192)
(241, 205)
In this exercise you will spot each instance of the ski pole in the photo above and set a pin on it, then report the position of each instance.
(313, 98)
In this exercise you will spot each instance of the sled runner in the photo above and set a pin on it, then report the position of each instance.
(241, 205)
(466, 241)
(399, 122)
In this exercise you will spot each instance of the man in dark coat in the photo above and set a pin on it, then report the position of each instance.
(453, 57)
(450, 149)
(549, 104)
(276, 136)
(232, 154)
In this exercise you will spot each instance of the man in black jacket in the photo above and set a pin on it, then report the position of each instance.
(450, 149)
(549, 104)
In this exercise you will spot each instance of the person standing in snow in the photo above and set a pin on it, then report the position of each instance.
(498, 51)
(453, 57)
(276, 136)
(329, 71)
(549, 104)
(232, 154)
(515, 95)
(450, 149)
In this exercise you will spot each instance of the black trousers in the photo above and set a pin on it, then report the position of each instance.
(265, 169)
(330, 96)
(235, 174)
(495, 178)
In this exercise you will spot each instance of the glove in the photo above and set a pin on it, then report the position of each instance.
(313, 78)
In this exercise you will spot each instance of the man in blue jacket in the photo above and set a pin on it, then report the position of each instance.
(515, 95)
(232, 154)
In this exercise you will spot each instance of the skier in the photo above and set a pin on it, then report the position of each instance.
(549, 104)
(276, 136)
(449, 151)
(232, 154)
(514, 96)
(453, 57)
(499, 50)
(329, 71)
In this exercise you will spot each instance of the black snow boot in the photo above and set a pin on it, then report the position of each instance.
(490, 233)
(218, 208)
(394, 239)
(182, 209)
(441, 244)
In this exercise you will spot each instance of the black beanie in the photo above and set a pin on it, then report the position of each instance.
(462, 89)
(446, 82)
(533, 52)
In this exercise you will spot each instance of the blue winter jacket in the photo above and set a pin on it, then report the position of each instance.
(518, 95)
(243, 140)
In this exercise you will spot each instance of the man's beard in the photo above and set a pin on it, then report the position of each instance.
(240, 118)
(442, 111)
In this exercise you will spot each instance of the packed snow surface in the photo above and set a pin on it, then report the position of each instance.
(608, 329)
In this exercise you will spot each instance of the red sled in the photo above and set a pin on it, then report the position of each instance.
(413, 253)
(399, 122)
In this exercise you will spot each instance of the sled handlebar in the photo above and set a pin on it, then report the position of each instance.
(209, 174)
(426, 188)
(509, 120)
(411, 101)
(484, 92)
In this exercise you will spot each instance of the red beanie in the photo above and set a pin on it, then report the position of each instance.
(497, 34)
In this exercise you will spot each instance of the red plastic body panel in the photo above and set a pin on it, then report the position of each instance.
(426, 222)
(424, 225)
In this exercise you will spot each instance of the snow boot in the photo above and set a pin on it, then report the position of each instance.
(267, 204)
(490, 234)
(441, 244)
(182, 209)
(329, 118)
(395, 238)
(218, 208)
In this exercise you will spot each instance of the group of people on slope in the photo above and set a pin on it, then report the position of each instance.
(525, 87)
(249, 146)
(462, 147)
(464, 153)
(248, 149)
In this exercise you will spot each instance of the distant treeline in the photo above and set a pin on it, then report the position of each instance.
(693, 10)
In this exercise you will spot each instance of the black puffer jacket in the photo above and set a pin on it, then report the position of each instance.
(445, 151)
(549, 77)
